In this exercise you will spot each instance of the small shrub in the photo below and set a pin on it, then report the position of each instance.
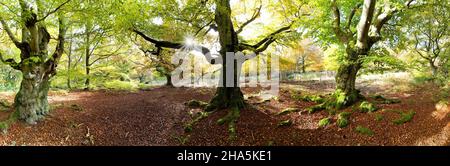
(288, 111)
(366, 106)
(324, 122)
(405, 117)
(285, 123)
(364, 130)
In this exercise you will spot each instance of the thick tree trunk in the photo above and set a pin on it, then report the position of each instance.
(87, 83)
(31, 100)
(227, 97)
(346, 78)
(434, 69)
(169, 80)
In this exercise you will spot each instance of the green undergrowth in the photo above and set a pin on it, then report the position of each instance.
(324, 122)
(364, 130)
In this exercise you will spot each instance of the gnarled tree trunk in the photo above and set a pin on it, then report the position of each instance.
(31, 100)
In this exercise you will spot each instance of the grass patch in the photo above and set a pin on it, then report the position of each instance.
(364, 130)
(343, 120)
(121, 85)
(404, 117)
(366, 106)
(324, 122)
(285, 123)
(379, 117)
(288, 111)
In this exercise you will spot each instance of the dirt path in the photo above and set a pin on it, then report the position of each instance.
(157, 117)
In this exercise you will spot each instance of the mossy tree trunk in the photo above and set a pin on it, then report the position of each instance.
(36, 65)
(227, 96)
(346, 78)
(358, 44)
(31, 100)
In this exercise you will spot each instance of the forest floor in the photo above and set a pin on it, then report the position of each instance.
(157, 117)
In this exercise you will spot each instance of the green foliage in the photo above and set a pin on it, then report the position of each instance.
(285, 123)
(422, 79)
(324, 122)
(288, 111)
(9, 78)
(404, 117)
(315, 108)
(4, 105)
(379, 117)
(364, 130)
(121, 85)
(343, 119)
(4, 127)
(366, 106)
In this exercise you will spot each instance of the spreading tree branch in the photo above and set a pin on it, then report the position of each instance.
(255, 15)
(53, 11)
(166, 44)
(10, 33)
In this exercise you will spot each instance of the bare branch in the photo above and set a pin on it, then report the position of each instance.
(166, 44)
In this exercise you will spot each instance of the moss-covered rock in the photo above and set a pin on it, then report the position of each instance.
(404, 117)
(343, 119)
(366, 106)
(324, 122)
(364, 130)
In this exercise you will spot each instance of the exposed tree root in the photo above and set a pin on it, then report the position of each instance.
(337, 101)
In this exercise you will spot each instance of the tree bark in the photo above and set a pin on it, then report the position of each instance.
(227, 96)
(169, 80)
(31, 100)
(434, 68)
(87, 83)
(346, 78)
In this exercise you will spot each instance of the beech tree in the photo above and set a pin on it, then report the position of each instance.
(225, 97)
(356, 36)
(428, 31)
(36, 64)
